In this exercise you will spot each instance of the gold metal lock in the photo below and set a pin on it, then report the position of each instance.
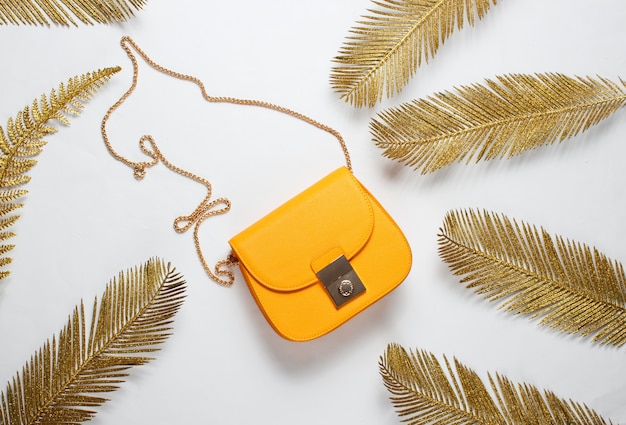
(341, 281)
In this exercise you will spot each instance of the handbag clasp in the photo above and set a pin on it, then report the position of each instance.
(341, 281)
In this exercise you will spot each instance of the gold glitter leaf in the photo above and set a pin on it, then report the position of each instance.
(502, 118)
(574, 288)
(386, 49)
(23, 141)
(67, 377)
(60, 12)
(425, 391)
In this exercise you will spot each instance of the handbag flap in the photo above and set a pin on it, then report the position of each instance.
(333, 214)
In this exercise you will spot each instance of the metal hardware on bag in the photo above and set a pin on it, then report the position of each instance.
(346, 288)
(341, 281)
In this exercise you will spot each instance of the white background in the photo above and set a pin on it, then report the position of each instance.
(85, 218)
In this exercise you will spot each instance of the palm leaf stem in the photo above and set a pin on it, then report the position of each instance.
(386, 49)
(574, 288)
(24, 140)
(401, 42)
(64, 377)
(545, 284)
(502, 118)
(507, 121)
(31, 123)
(426, 392)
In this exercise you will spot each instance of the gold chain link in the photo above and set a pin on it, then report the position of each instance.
(148, 146)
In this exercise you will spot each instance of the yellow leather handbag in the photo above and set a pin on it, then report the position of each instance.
(312, 263)
(322, 257)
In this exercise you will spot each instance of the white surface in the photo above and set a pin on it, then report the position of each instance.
(86, 218)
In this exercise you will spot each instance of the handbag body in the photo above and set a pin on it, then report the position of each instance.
(336, 221)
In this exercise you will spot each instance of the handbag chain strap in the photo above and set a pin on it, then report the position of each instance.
(207, 207)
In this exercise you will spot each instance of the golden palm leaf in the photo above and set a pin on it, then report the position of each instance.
(501, 118)
(64, 380)
(574, 288)
(386, 49)
(424, 391)
(60, 12)
(24, 140)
